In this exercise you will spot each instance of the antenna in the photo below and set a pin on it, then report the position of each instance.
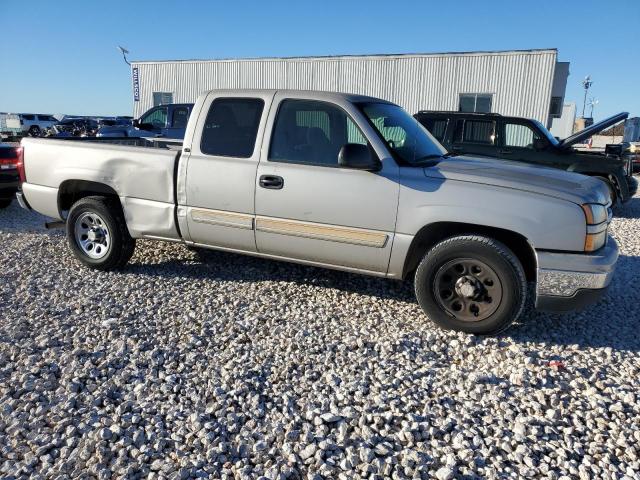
(124, 52)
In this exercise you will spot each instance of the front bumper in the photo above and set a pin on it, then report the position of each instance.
(569, 281)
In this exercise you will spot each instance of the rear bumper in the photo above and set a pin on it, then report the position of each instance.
(23, 201)
(572, 281)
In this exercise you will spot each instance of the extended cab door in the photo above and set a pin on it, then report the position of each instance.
(219, 187)
(309, 208)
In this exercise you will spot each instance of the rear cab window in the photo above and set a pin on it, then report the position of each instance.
(231, 127)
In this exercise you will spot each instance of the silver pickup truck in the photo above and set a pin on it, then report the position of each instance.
(339, 181)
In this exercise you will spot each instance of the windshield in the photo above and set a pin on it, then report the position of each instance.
(546, 133)
(409, 141)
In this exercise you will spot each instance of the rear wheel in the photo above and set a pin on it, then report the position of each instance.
(5, 202)
(472, 284)
(98, 235)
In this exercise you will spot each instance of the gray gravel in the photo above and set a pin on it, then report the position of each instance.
(235, 367)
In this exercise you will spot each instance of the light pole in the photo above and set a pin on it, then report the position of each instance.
(124, 52)
(586, 83)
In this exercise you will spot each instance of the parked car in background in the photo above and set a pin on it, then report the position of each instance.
(9, 177)
(525, 140)
(35, 124)
(339, 181)
(168, 121)
(10, 125)
(76, 127)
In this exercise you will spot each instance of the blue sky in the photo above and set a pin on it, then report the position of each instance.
(61, 57)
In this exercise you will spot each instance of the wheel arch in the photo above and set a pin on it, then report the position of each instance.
(70, 191)
(429, 235)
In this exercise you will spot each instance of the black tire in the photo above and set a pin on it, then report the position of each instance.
(612, 189)
(120, 246)
(5, 202)
(35, 131)
(467, 249)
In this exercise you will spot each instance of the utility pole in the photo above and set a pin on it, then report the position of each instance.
(586, 83)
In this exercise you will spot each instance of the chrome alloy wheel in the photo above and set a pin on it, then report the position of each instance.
(92, 235)
(468, 289)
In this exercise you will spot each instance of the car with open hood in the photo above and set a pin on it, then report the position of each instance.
(528, 141)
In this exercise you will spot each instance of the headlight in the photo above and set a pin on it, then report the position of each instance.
(596, 216)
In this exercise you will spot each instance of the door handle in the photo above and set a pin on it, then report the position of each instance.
(273, 182)
(505, 152)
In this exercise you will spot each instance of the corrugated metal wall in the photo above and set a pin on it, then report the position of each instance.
(520, 81)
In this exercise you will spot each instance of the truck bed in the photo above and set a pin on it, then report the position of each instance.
(141, 171)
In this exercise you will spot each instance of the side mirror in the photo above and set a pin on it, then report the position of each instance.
(358, 157)
(135, 122)
(540, 144)
(145, 126)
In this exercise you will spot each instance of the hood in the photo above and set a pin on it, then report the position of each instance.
(590, 131)
(551, 182)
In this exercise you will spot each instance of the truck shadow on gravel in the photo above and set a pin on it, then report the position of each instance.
(631, 209)
(612, 322)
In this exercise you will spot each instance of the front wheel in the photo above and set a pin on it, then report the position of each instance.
(471, 284)
(98, 235)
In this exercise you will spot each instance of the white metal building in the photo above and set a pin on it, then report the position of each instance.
(527, 83)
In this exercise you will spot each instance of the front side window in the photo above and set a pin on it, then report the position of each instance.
(475, 131)
(231, 127)
(409, 141)
(180, 117)
(312, 132)
(156, 117)
(475, 102)
(519, 136)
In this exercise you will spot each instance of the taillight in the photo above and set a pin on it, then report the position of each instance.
(20, 164)
(8, 159)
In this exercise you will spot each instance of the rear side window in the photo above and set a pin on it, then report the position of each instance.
(475, 131)
(436, 126)
(312, 132)
(231, 127)
(180, 117)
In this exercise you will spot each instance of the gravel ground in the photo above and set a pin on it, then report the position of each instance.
(235, 367)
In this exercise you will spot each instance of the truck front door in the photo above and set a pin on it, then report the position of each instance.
(221, 171)
(521, 142)
(309, 208)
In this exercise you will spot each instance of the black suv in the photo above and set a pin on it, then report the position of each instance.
(525, 140)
